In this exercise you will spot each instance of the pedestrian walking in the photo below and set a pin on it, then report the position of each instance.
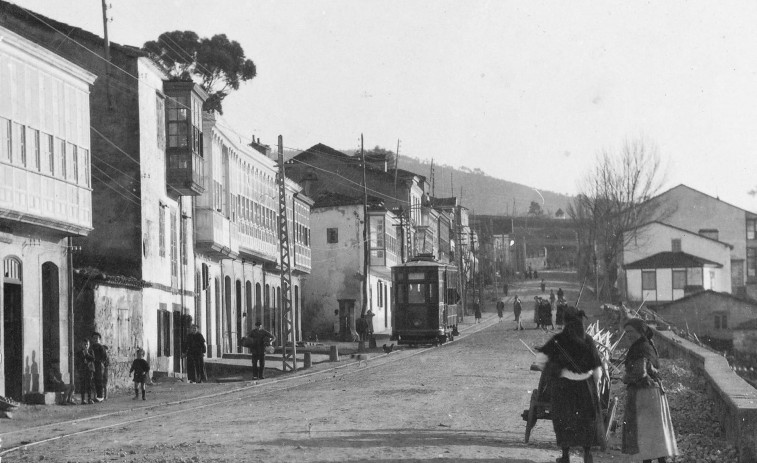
(478, 311)
(647, 426)
(101, 362)
(140, 367)
(536, 275)
(194, 350)
(543, 286)
(259, 339)
(506, 288)
(552, 298)
(545, 314)
(85, 368)
(560, 312)
(560, 294)
(500, 309)
(517, 309)
(572, 361)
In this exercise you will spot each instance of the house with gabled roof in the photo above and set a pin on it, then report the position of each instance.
(664, 263)
(706, 215)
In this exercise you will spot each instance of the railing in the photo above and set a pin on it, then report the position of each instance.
(45, 200)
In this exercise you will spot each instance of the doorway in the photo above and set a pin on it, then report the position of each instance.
(50, 316)
(13, 315)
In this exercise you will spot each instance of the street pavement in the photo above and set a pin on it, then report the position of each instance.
(458, 402)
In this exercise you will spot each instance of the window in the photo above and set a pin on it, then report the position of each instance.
(75, 162)
(164, 331)
(751, 226)
(174, 247)
(751, 262)
(161, 230)
(675, 245)
(85, 165)
(63, 160)
(648, 280)
(49, 152)
(379, 294)
(6, 147)
(184, 241)
(19, 148)
(36, 150)
(679, 279)
(178, 122)
(721, 321)
(332, 235)
(160, 116)
(710, 233)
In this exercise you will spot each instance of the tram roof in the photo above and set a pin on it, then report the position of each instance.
(424, 263)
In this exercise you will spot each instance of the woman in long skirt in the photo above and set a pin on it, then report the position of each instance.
(573, 363)
(647, 426)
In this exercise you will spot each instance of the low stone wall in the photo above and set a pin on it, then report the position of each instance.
(735, 398)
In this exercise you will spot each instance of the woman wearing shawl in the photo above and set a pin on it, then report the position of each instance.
(647, 427)
(575, 368)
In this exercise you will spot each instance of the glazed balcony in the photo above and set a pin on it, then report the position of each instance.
(216, 234)
(185, 172)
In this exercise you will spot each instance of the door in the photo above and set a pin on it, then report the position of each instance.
(13, 340)
(178, 337)
(51, 316)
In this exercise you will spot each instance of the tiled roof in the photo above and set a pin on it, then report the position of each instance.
(671, 260)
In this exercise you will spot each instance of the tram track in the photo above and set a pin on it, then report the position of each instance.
(46, 433)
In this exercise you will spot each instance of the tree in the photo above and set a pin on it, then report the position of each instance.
(535, 209)
(217, 64)
(614, 200)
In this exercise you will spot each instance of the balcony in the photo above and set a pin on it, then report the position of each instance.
(43, 200)
(185, 172)
(215, 234)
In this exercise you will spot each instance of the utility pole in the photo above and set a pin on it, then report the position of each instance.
(366, 243)
(289, 356)
(106, 52)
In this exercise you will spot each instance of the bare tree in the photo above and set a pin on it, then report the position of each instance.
(614, 201)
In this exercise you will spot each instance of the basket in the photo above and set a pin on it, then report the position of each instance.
(269, 349)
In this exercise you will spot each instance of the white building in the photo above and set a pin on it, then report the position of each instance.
(238, 256)
(664, 261)
(45, 197)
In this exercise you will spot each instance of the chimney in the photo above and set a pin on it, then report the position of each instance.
(265, 150)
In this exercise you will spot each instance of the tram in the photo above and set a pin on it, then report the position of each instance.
(427, 305)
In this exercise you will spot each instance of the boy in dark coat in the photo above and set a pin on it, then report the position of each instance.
(259, 339)
(85, 367)
(140, 368)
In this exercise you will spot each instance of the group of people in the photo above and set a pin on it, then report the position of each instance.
(91, 362)
(573, 366)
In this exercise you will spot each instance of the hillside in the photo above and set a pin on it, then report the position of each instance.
(483, 193)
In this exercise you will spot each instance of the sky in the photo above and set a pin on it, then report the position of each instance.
(529, 92)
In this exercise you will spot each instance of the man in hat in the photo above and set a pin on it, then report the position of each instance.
(259, 338)
(102, 362)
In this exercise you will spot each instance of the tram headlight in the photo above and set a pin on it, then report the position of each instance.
(417, 323)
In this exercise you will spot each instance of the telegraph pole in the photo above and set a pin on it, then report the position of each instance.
(366, 247)
(289, 357)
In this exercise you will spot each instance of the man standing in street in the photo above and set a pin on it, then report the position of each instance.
(517, 309)
(259, 339)
(195, 351)
(500, 309)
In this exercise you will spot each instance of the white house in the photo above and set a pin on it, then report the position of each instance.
(663, 260)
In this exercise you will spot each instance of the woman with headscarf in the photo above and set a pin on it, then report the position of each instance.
(575, 368)
(647, 427)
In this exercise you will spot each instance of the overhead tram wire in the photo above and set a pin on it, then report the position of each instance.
(245, 138)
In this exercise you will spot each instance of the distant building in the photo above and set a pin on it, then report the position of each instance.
(664, 263)
(334, 290)
(45, 199)
(700, 213)
(709, 314)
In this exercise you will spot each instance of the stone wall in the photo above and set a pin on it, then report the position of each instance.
(734, 397)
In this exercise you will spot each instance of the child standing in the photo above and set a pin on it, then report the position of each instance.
(85, 367)
(102, 362)
(140, 367)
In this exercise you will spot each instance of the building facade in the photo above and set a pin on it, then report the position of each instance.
(664, 263)
(237, 240)
(45, 199)
(336, 288)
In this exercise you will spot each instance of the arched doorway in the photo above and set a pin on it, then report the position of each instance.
(13, 325)
(258, 303)
(50, 316)
(248, 307)
(227, 315)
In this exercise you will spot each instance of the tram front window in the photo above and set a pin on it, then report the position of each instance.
(417, 293)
